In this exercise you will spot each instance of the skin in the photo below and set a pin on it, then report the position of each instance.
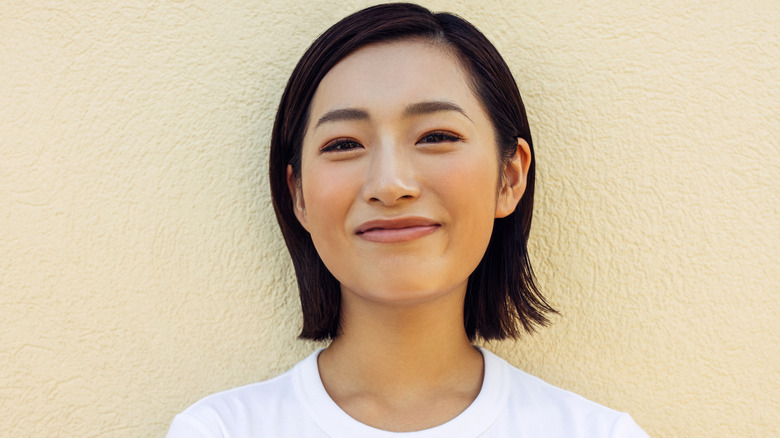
(396, 132)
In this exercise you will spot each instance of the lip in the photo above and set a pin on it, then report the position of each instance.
(395, 230)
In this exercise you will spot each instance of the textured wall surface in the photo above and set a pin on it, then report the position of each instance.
(141, 267)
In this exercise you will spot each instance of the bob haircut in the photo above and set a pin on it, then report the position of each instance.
(501, 291)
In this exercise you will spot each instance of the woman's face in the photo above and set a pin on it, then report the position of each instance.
(399, 180)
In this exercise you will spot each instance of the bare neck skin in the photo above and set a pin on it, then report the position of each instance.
(403, 367)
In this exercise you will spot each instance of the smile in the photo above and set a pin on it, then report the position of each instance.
(397, 230)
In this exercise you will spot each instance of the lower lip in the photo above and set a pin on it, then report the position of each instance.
(395, 235)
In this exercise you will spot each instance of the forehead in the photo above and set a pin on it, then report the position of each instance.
(380, 76)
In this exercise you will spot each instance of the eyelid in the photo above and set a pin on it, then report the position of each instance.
(332, 144)
(450, 136)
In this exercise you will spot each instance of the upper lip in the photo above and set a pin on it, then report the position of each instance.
(395, 223)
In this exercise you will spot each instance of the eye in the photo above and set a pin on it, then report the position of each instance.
(439, 137)
(341, 145)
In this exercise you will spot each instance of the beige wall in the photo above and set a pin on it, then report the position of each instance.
(141, 267)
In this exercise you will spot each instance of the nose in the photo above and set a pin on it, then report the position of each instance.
(390, 176)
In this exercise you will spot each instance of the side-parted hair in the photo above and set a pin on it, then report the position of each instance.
(501, 291)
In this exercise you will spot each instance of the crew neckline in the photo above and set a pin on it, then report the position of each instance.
(473, 421)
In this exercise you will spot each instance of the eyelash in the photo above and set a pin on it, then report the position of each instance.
(441, 137)
(338, 145)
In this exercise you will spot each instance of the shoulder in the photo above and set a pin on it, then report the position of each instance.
(217, 414)
(269, 408)
(547, 410)
(234, 402)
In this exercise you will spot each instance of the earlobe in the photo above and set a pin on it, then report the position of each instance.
(513, 179)
(299, 208)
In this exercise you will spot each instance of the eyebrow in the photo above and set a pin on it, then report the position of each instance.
(433, 106)
(344, 114)
(415, 109)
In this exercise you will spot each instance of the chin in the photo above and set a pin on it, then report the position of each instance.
(395, 293)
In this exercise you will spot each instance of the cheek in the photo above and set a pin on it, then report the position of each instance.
(468, 190)
(328, 193)
(471, 188)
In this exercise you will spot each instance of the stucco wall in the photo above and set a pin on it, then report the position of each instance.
(141, 267)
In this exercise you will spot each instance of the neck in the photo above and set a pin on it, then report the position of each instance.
(400, 351)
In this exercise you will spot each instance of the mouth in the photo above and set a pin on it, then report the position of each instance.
(397, 230)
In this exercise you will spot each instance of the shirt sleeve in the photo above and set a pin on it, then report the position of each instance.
(186, 426)
(626, 427)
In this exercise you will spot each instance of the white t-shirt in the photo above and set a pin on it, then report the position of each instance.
(511, 403)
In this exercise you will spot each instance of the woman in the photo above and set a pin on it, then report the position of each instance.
(402, 176)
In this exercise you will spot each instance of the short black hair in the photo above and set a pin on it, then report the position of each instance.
(502, 291)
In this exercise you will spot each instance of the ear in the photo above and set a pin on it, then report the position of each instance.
(299, 208)
(513, 179)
